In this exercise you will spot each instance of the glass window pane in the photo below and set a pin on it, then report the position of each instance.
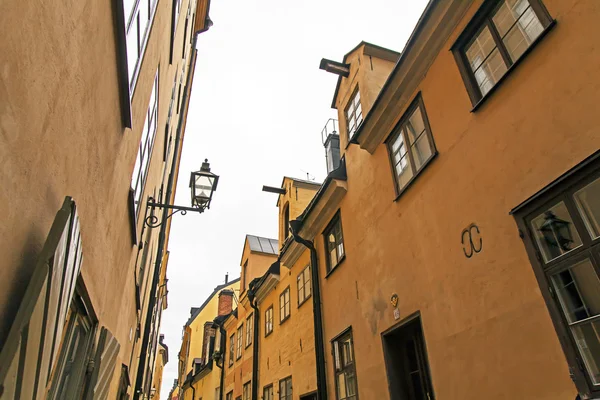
(578, 290)
(490, 71)
(482, 46)
(421, 150)
(588, 342)
(132, 48)
(128, 9)
(415, 126)
(507, 14)
(144, 15)
(522, 34)
(555, 233)
(588, 204)
(350, 384)
(341, 382)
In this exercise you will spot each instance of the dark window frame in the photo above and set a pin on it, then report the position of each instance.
(231, 350)
(229, 396)
(562, 190)
(249, 330)
(417, 102)
(286, 221)
(239, 344)
(140, 176)
(269, 331)
(247, 390)
(272, 391)
(482, 19)
(353, 114)
(285, 380)
(344, 368)
(337, 218)
(289, 303)
(302, 274)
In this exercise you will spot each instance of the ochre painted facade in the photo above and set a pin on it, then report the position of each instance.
(486, 326)
(195, 339)
(239, 370)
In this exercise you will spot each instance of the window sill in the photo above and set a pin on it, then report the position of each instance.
(400, 192)
(305, 300)
(285, 319)
(238, 358)
(268, 333)
(489, 94)
(248, 345)
(332, 270)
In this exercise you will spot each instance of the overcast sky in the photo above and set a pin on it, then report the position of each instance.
(258, 105)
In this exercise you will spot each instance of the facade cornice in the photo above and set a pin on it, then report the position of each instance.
(430, 35)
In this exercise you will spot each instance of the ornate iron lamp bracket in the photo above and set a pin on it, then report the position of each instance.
(153, 221)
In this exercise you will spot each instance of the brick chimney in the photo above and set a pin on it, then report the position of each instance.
(225, 302)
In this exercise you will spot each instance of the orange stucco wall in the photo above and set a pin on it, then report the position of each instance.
(487, 329)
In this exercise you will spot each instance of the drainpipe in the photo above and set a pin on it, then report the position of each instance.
(138, 389)
(253, 303)
(223, 349)
(317, 317)
(193, 388)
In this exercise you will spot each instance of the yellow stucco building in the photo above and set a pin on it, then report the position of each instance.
(195, 356)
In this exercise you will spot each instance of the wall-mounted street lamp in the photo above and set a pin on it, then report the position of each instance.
(203, 183)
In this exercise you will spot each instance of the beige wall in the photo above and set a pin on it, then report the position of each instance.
(486, 326)
(61, 134)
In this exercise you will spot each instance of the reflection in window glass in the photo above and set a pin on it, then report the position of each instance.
(334, 242)
(354, 115)
(344, 367)
(486, 61)
(138, 20)
(555, 233)
(588, 204)
(578, 290)
(502, 37)
(411, 145)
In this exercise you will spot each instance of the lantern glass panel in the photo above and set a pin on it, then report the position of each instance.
(588, 203)
(555, 232)
(203, 187)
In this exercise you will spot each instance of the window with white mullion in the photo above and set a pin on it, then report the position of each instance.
(411, 145)
(353, 113)
(345, 371)
(138, 178)
(503, 33)
(138, 20)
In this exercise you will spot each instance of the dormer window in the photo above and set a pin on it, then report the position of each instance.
(286, 221)
(353, 112)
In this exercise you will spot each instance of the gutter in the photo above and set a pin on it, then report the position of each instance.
(223, 348)
(317, 316)
(142, 367)
(254, 304)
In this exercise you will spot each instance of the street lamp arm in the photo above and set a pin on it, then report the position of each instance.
(152, 221)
